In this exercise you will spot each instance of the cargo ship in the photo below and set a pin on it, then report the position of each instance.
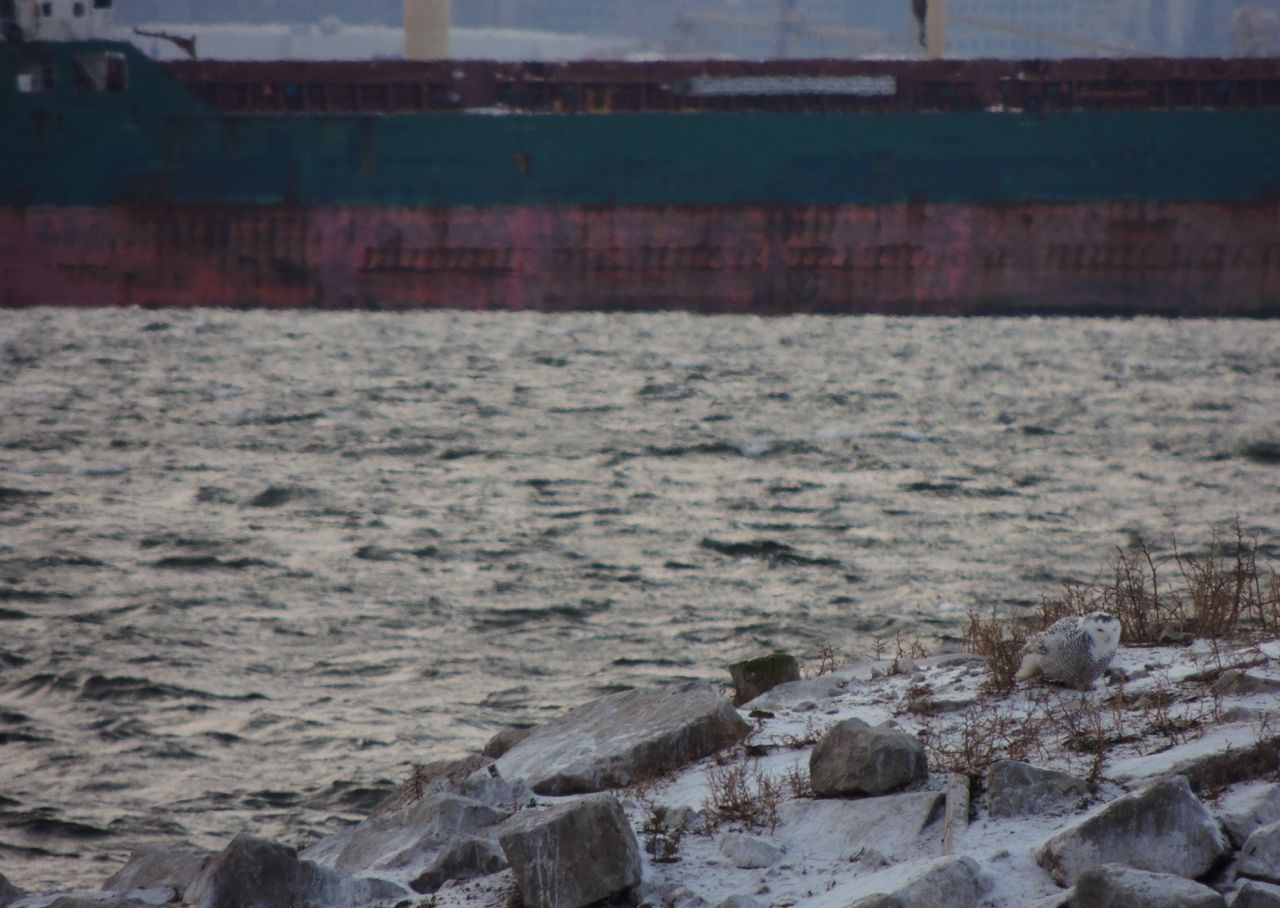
(1075, 186)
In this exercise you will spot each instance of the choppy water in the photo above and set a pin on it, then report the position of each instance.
(252, 565)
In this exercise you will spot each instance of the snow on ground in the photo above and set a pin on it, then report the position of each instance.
(1156, 710)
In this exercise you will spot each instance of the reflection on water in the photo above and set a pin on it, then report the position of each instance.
(252, 565)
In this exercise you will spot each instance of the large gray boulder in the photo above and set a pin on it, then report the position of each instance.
(753, 677)
(854, 758)
(463, 858)
(867, 830)
(408, 837)
(1243, 812)
(9, 892)
(151, 867)
(624, 738)
(1251, 894)
(258, 873)
(1119, 886)
(748, 851)
(878, 900)
(950, 882)
(1163, 828)
(249, 873)
(739, 901)
(1214, 770)
(571, 854)
(1017, 789)
(1260, 856)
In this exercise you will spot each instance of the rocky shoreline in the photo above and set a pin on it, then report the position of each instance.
(902, 783)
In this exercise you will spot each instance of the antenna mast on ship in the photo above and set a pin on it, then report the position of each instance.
(932, 17)
(426, 29)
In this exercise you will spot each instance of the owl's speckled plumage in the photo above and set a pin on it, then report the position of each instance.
(1074, 651)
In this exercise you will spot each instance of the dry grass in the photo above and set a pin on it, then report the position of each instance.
(828, 660)
(1221, 594)
(797, 779)
(973, 739)
(742, 793)
(662, 837)
(1081, 731)
(1000, 644)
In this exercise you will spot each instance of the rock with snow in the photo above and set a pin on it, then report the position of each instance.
(150, 867)
(1240, 813)
(463, 858)
(1238, 682)
(1260, 856)
(406, 838)
(1018, 789)
(1120, 886)
(951, 882)
(489, 787)
(432, 777)
(908, 823)
(504, 740)
(144, 899)
(739, 901)
(248, 872)
(1163, 828)
(258, 873)
(1215, 770)
(753, 677)
(625, 738)
(9, 892)
(1252, 894)
(878, 900)
(854, 758)
(571, 854)
(678, 895)
(748, 851)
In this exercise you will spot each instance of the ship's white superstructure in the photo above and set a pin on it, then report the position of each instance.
(55, 20)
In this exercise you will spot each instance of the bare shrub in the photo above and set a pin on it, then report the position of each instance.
(662, 838)
(828, 658)
(417, 780)
(742, 793)
(797, 779)
(1224, 593)
(983, 734)
(1000, 644)
(1084, 731)
(918, 699)
(1226, 588)
(812, 733)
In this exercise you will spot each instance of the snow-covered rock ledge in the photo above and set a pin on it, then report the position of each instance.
(1158, 787)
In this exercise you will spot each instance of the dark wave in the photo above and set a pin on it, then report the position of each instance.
(1263, 452)
(118, 689)
(43, 823)
(275, 496)
(11, 496)
(516, 617)
(20, 737)
(775, 553)
(357, 797)
(208, 563)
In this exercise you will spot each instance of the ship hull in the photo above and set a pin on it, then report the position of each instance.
(1078, 187)
(1168, 258)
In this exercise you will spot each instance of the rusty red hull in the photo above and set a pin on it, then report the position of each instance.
(1198, 259)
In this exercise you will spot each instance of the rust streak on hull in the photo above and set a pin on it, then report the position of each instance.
(1170, 258)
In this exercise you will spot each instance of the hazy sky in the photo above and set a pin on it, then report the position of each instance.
(752, 27)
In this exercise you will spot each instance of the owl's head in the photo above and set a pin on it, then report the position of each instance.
(1104, 630)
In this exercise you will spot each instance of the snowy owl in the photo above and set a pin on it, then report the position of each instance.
(1074, 651)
